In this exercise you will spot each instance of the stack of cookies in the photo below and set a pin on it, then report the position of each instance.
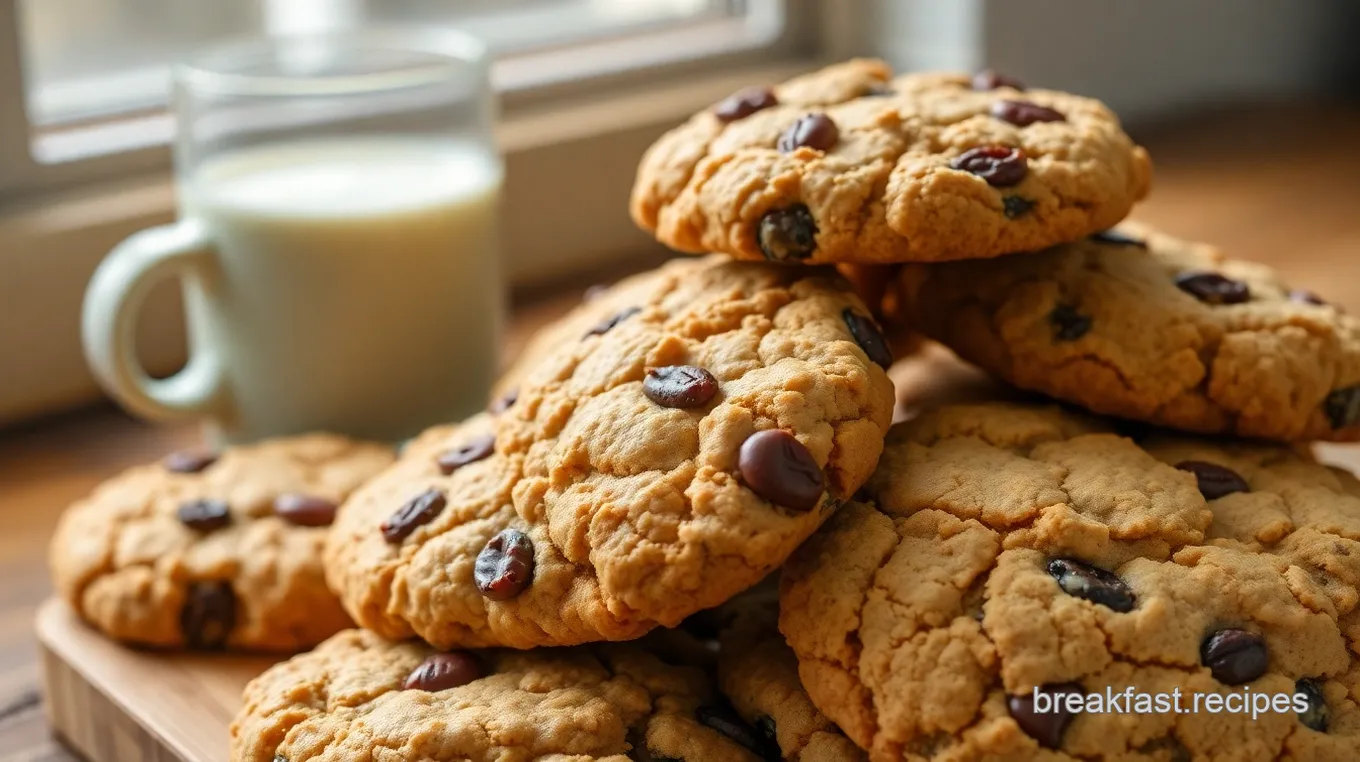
(686, 530)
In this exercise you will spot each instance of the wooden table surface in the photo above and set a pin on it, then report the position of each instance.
(1227, 179)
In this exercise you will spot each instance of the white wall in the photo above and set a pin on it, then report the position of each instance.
(927, 34)
(1146, 58)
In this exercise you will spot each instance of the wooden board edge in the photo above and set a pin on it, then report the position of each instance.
(87, 710)
(90, 722)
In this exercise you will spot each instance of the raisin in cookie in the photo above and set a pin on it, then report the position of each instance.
(205, 551)
(692, 426)
(849, 164)
(1144, 326)
(358, 697)
(758, 673)
(1004, 548)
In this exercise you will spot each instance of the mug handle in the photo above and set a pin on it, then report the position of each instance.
(113, 301)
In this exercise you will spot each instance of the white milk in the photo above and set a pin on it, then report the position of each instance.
(359, 287)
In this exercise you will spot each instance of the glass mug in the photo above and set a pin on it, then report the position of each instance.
(337, 241)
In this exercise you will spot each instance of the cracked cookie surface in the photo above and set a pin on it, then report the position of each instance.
(851, 164)
(358, 697)
(1007, 547)
(1144, 326)
(214, 551)
(690, 427)
(758, 673)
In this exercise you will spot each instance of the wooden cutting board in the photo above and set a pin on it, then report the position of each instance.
(115, 704)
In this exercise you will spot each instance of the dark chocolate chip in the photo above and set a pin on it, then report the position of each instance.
(1304, 296)
(419, 510)
(479, 448)
(1316, 715)
(188, 461)
(1068, 324)
(988, 79)
(208, 615)
(1234, 656)
(1212, 288)
(1000, 166)
(505, 567)
(1214, 480)
(868, 337)
(1025, 113)
(765, 724)
(204, 514)
(1049, 726)
(608, 324)
(777, 467)
(1015, 206)
(1088, 582)
(726, 721)
(305, 510)
(1117, 238)
(682, 386)
(787, 234)
(1343, 407)
(744, 103)
(504, 402)
(442, 671)
(815, 131)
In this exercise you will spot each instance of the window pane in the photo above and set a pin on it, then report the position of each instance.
(86, 58)
(91, 58)
(516, 25)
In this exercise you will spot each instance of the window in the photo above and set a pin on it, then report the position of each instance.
(94, 74)
(89, 58)
(586, 86)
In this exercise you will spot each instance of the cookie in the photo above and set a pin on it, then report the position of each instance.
(1004, 549)
(849, 164)
(691, 427)
(358, 697)
(871, 282)
(214, 551)
(758, 674)
(1141, 325)
(934, 376)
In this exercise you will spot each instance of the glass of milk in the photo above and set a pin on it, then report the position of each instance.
(337, 241)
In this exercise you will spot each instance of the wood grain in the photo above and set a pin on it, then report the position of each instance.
(122, 705)
(1231, 179)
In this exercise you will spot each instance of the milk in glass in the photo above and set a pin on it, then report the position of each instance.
(350, 270)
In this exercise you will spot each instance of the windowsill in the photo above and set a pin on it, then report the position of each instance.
(568, 175)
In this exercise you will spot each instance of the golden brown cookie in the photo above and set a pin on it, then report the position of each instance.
(758, 673)
(1011, 555)
(689, 429)
(851, 164)
(934, 376)
(1144, 326)
(358, 697)
(208, 551)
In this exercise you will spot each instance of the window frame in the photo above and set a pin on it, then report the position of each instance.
(119, 147)
(58, 221)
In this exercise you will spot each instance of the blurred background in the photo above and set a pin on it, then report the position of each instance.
(1249, 108)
